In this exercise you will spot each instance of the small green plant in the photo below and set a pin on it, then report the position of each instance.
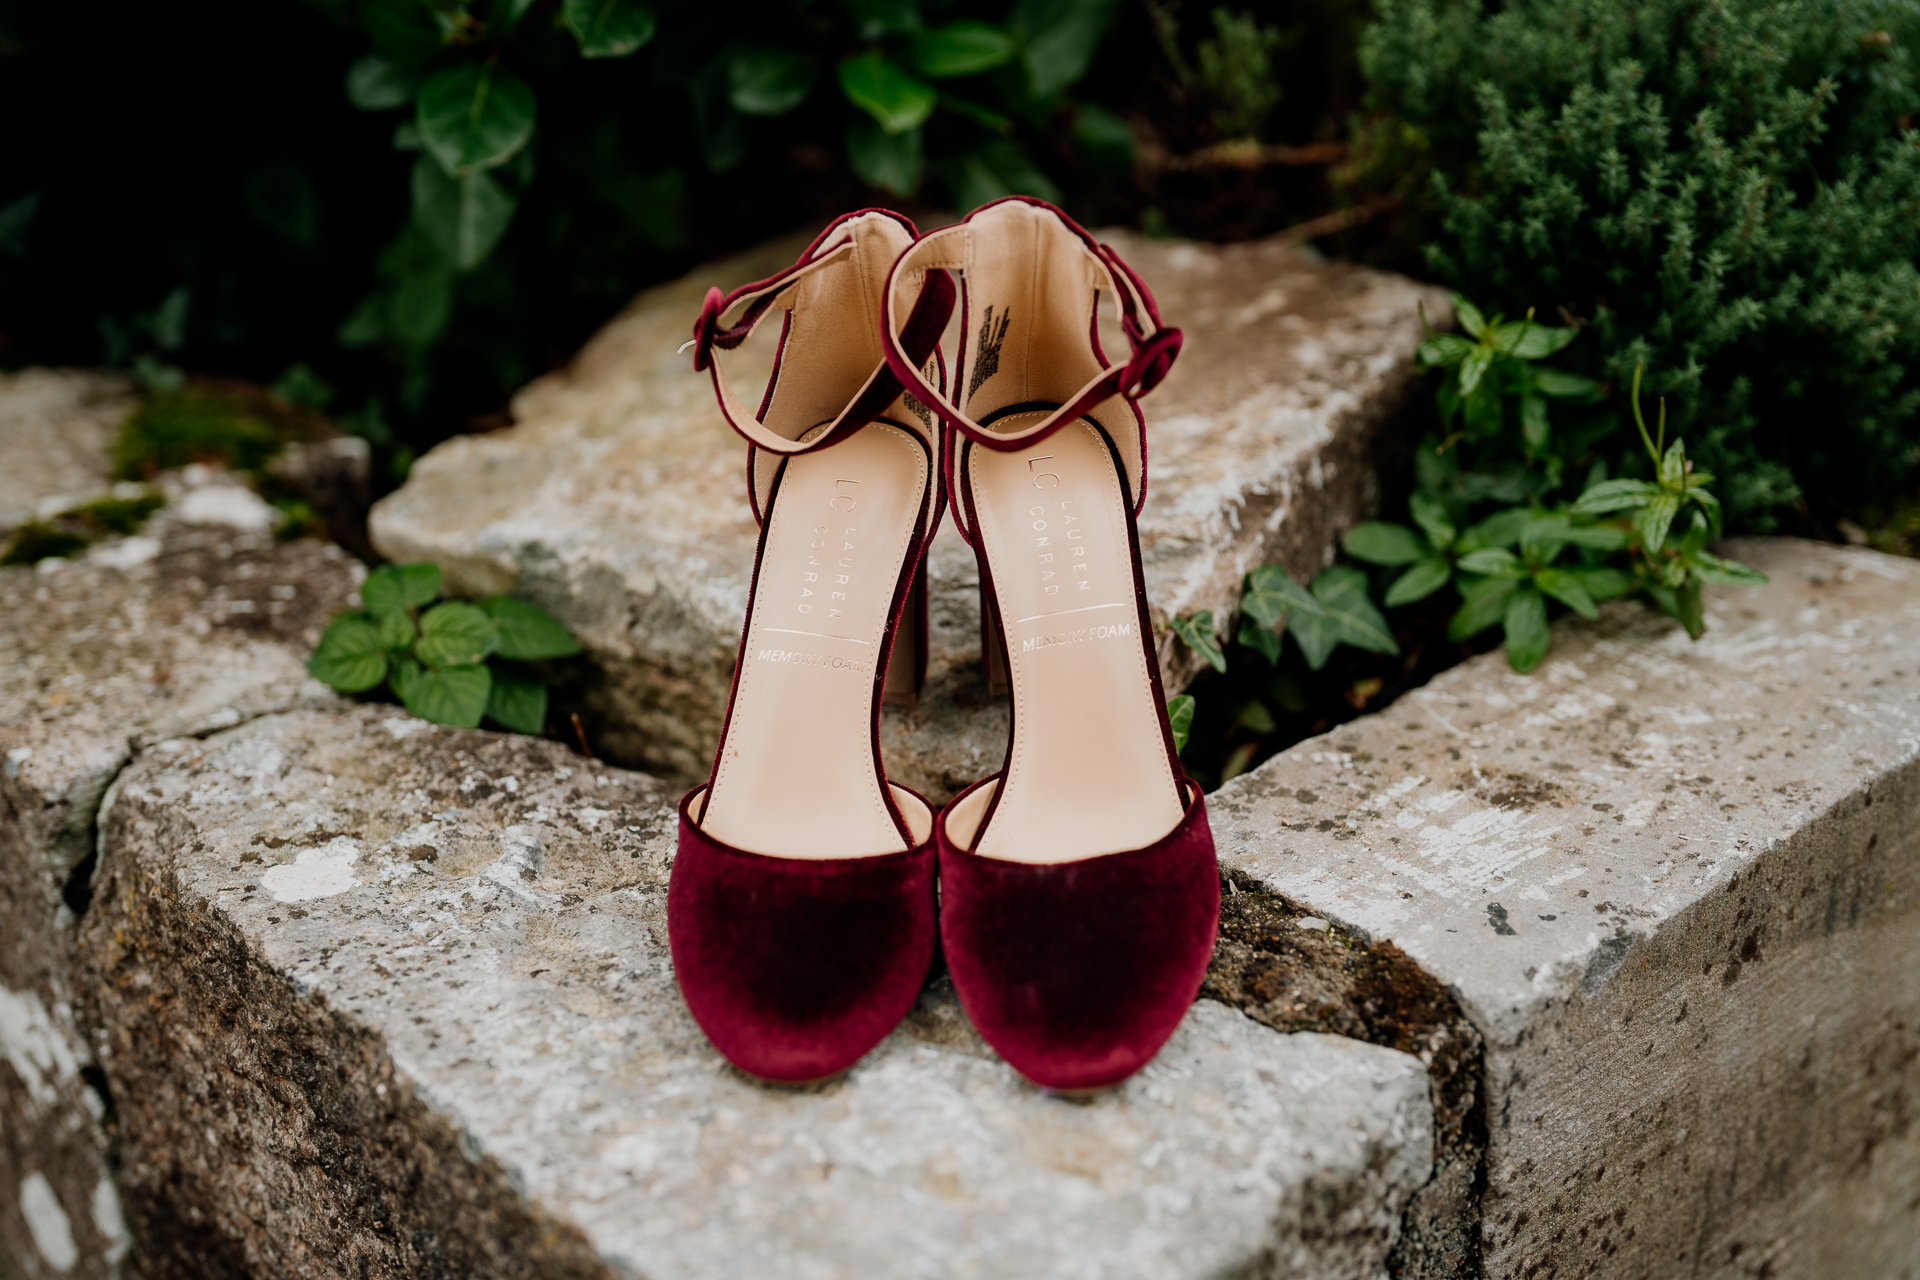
(77, 528)
(453, 662)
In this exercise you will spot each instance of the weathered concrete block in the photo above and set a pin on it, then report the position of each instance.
(184, 630)
(1677, 887)
(380, 998)
(619, 501)
(56, 429)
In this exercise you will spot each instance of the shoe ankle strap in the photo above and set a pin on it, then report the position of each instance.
(919, 335)
(1153, 345)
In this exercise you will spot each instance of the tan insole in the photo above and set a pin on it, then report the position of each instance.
(1088, 772)
(797, 777)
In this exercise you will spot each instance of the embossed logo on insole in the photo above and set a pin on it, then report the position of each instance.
(829, 570)
(799, 658)
(1122, 631)
(1060, 555)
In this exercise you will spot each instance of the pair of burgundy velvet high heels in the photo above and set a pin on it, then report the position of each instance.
(1075, 892)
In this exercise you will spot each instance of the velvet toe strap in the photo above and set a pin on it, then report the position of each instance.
(1077, 972)
(796, 967)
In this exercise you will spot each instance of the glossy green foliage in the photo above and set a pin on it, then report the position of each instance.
(1726, 191)
(453, 662)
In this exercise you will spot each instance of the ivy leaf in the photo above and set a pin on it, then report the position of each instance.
(1270, 596)
(517, 701)
(1526, 625)
(1060, 37)
(349, 657)
(403, 31)
(1430, 513)
(1482, 604)
(1196, 632)
(1180, 719)
(1377, 542)
(473, 116)
(1263, 640)
(1492, 562)
(1316, 636)
(464, 217)
(890, 161)
(397, 587)
(1566, 587)
(1342, 592)
(1712, 568)
(1614, 495)
(1469, 315)
(608, 28)
(526, 632)
(1654, 520)
(896, 98)
(450, 695)
(1419, 582)
(397, 632)
(961, 49)
(375, 83)
(769, 82)
(455, 634)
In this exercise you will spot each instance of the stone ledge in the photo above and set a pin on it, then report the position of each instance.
(482, 969)
(619, 503)
(1677, 887)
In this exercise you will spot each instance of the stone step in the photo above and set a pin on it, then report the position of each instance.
(1676, 886)
(619, 502)
(374, 990)
(185, 629)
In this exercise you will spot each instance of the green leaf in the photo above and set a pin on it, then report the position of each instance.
(1603, 583)
(349, 657)
(1444, 349)
(1565, 586)
(896, 98)
(890, 161)
(397, 632)
(1528, 341)
(1473, 369)
(1492, 562)
(503, 15)
(1196, 632)
(1601, 537)
(1565, 386)
(1732, 573)
(769, 82)
(403, 31)
(608, 28)
(1270, 595)
(1316, 636)
(1180, 719)
(1683, 603)
(1482, 604)
(450, 695)
(455, 634)
(995, 167)
(375, 83)
(1469, 315)
(961, 49)
(463, 217)
(474, 116)
(1059, 38)
(1527, 634)
(519, 702)
(1380, 543)
(526, 632)
(1263, 640)
(1501, 529)
(1673, 467)
(1104, 140)
(1614, 495)
(1419, 582)
(405, 672)
(1342, 592)
(1654, 520)
(1430, 513)
(1533, 422)
(396, 587)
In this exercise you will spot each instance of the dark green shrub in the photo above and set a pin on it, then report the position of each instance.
(1726, 190)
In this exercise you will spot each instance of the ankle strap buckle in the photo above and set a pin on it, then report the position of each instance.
(1151, 362)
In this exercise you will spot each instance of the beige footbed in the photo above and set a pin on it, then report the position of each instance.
(796, 774)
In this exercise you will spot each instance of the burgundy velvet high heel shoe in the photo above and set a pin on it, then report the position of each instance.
(1079, 894)
(801, 905)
